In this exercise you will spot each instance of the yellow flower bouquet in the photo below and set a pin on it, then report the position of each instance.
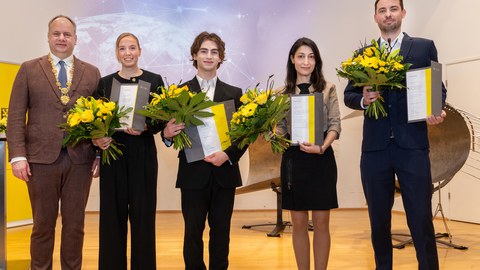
(259, 115)
(181, 104)
(92, 118)
(3, 124)
(377, 67)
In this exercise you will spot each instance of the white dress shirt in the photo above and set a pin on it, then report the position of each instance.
(68, 64)
(208, 86)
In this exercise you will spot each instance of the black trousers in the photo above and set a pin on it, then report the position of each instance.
(128, 192)
(215, 204)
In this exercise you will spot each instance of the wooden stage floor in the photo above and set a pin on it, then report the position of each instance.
(251, 249)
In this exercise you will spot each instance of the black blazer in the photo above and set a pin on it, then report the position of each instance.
(376, 133)
(196, 175)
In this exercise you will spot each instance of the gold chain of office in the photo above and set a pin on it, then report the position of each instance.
(65, 98)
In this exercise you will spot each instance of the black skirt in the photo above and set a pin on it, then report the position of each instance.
(309, 181)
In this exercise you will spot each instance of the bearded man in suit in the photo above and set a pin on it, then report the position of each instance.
(394, 147)
(208, 186)
(43, 92)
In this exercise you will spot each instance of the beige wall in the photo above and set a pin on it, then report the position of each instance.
(452, 24)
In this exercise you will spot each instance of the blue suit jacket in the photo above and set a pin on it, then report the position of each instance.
(195, 175)
(376, 133)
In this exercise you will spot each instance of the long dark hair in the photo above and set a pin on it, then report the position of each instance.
(317, 79)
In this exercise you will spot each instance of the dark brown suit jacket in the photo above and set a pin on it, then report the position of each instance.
(34, 93)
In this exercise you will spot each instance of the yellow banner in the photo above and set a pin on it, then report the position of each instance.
(17, 200)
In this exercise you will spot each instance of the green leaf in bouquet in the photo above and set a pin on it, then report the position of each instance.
(145, 112)
(266, 125)
(343, 74)
(174, 105)
(191, 120)
(181, 141)
(254, 121)
(393, 54)
(196, 99)
(372, 74)
(242, 143)
(282, 110)
(262, 111)
(204, 105)
(156, 115)
(123, 112)
(253, 137)
(376, 109)
(360, 76)
(361, 84)
(397, 85)
(96, 134)
(203, 114)
(266, 136)
(183, 98)
(111, 122)
(111, 152)
(275, 106)
(101, 129)
(381, 79)
(68, 140)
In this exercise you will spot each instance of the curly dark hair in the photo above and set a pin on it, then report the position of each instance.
(197, 43)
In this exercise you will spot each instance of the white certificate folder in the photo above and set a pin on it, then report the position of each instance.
(305, 118)
(131, 95)
(424, 92)
(212, 136)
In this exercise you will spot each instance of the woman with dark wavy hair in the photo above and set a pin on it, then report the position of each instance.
(309, 171)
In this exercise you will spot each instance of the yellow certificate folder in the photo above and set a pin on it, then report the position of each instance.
(212, 136)
(305, 118)
(424, 92)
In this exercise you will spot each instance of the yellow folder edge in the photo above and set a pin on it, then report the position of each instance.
(311, 119)
(428, 86)
(220, 117)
